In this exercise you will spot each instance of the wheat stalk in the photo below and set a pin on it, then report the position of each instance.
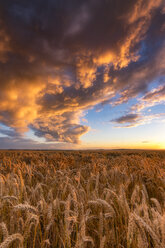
(4, 230)
(10, 239)
(26, 207)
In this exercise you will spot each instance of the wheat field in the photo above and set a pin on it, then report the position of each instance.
(66, 199)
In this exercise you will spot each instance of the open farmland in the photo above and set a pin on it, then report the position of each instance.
(82, 199)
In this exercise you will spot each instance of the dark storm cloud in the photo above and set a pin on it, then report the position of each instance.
(59, 58)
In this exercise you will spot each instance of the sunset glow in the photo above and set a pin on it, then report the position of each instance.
(82, 74)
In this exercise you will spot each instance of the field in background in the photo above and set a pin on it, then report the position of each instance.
(82, 199)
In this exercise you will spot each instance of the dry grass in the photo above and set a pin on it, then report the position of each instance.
(82, 199)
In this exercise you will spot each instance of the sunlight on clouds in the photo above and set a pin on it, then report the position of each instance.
(18, 106)
(143, 9)
(85, 70)
(76, 59)
(105, 58)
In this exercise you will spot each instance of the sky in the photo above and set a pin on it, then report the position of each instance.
(82, 74)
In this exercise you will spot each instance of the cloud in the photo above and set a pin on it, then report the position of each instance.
(129, 119)
(145, 141)
(134, 120)
(24, 143)
(156, 95)
(60, 58)
(150, 99)
(10, 133)
(63, 128)
(126, 118)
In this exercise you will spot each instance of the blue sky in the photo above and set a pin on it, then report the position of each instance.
(148, 135)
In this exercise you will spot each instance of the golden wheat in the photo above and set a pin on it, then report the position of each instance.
(82, 199)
